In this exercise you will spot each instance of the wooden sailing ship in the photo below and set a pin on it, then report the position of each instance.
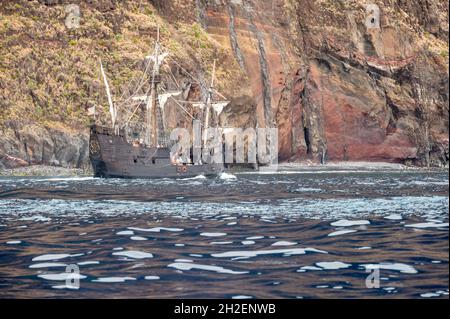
(114, 154)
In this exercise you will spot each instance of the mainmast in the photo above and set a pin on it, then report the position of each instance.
(152, 121)
(208, 106)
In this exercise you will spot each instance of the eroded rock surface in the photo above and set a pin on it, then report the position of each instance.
(336, 89)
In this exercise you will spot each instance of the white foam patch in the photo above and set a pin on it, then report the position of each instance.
(428, 225)
(217, 269)
(227, 176)
(125, 233)
(62, 276)
(113, 279)
(36, 218)
(247, 242)
(47, 265)
(89, 262)
(65, 179)
(198, 177)
(213, 234)
(138, 238)
(403, 268)
(156, 229)
(14, 242)
(241, 297)
(135, 254)
(221, 243)
(255, 253)
(430, 295)
(342, 232)
(255, 237)
(309, 268)
(285, 243)
(350, 223)
(394, 217)
(152, 278)
(48, 257)
(307, 190)
(334, 265)
(323, 209)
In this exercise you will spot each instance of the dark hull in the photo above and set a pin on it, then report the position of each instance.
(113, 157)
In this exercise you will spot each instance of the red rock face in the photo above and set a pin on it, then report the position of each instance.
(336, 89)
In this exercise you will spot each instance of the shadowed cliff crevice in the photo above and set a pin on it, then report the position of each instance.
(265, 74)
(335, 88)
(234, 38)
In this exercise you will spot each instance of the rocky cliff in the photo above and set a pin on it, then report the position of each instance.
(337, 89)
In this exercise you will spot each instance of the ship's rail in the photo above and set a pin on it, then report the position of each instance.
(102, 130)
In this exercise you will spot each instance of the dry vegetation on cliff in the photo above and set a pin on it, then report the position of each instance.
(49, 74)
(335, 89)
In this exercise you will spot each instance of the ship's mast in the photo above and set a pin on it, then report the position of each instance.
(208, 106)
(112, 109)
(152, 121)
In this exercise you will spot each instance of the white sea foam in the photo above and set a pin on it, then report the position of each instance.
(133, 254)
(47, 257)
(14, 242)
(217, 269)
(61, 276)
(113, 279)
(350, 223)
(90, 262)
(221, 242)
(342, 232)
(255, 237)
(334, 265)
(326, 209)
(309, 268)
(227, 176)
(152, 278)
(403, 268)
(428, 225)
(255, 253)
(285, 243)
(47, 265)
(125, 233)
(213, 234)
(156, 229)
(198, 177)
(394, 217)
(138, 238)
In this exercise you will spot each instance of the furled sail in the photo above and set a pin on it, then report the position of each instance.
(165, 96)
(161, 97)
(161, 58)
(219, 106)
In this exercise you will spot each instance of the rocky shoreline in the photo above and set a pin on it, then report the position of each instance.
(45, 170)
(53, 171)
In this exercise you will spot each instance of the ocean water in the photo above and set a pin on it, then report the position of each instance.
(290, 234)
